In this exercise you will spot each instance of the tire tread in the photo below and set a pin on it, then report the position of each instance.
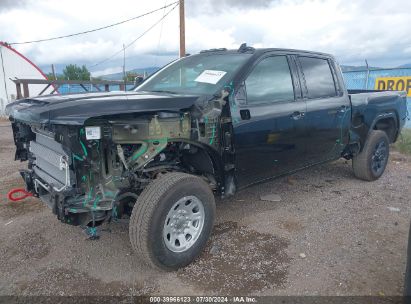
(360, 162)
(144, 209)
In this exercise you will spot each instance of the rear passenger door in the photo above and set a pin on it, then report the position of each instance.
(328, 109)
(270, 131)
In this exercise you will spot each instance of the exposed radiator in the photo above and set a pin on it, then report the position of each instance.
(48, 164)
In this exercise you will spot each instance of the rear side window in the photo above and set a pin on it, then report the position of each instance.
(318, 77)
(270, 81)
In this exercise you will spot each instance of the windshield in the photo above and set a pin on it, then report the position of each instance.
(198, 74)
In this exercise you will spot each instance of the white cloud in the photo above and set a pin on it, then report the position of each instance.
(353, 31)
(11, 4)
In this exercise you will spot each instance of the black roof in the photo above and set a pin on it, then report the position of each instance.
(259, 51)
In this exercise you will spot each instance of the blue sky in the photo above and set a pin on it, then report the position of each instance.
(351, 30)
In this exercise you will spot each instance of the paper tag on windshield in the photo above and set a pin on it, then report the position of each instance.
(210, 76)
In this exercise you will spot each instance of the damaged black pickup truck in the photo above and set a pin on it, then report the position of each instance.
(205, 125)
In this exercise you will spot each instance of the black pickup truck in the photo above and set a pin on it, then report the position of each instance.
(204, 125)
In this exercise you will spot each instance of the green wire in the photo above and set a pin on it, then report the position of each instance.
(75, 156)
(96, 200)
(84, 148)
(212, 136)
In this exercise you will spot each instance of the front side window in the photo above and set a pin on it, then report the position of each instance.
(270, 81)
(198, 74)
(318, 77)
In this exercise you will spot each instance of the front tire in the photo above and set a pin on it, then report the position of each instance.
(172, 220)
(370, 164)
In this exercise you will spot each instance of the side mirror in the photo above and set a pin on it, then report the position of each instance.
(138, 80)
(240, 96)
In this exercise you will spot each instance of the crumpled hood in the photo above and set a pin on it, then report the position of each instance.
(75, 109)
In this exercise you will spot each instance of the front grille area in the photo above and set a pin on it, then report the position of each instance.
(47, 164)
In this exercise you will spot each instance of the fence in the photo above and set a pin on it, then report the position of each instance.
(76, 88)
(68, 86)
(366, 79)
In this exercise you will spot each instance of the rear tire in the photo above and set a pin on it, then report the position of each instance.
(172, 220)
(370, 164)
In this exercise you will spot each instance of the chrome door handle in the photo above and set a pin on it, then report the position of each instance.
(245, 114)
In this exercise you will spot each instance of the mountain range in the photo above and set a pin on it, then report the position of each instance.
(352, 68)
(140, 71)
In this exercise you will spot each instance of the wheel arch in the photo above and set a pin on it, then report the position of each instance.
(205, 157)
(387, 122)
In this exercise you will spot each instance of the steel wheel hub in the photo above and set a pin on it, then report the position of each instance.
(184, 223)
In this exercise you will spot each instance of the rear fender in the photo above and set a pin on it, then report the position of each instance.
(360, 133)
(388, 115)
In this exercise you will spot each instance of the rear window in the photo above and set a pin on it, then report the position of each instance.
(318, 77)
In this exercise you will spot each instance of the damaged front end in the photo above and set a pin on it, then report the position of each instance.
(91, 155)
(92, 173)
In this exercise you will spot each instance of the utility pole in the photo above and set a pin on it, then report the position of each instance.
(182, 30)
(367, 77)
(124, 67)
(53, 71)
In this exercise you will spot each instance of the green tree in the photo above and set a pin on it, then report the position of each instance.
(74, 72)
(50, 76)
(130, 76)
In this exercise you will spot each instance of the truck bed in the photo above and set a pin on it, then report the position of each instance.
(368, 106)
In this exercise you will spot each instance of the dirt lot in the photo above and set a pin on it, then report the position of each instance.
(330, 234)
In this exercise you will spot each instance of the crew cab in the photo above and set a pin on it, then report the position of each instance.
(205, 125)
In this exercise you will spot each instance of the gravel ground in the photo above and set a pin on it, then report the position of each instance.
(330, 234)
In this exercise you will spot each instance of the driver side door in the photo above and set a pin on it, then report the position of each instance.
(270, 134)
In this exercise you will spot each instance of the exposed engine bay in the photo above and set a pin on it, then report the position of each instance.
(92, 173)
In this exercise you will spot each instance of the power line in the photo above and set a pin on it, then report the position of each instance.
(96, 29)
(159, 38)
(131, 43)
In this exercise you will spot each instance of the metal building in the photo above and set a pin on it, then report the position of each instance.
(15, 65)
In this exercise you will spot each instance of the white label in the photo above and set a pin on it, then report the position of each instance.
(93, 133)
(210, 76)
